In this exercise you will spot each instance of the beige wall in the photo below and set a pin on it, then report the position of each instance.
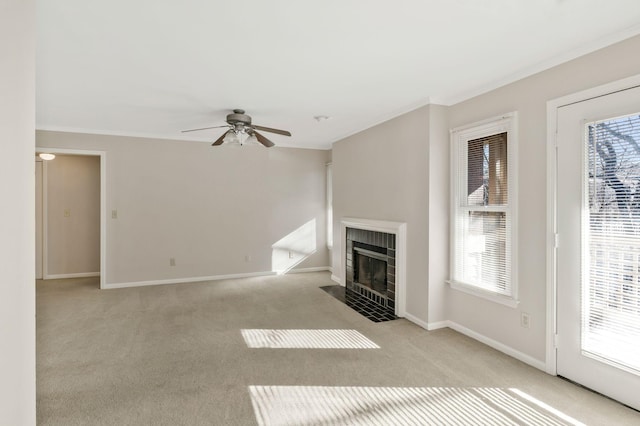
(17, 215)
(409, 157)
(529, 97)
(382, 173)
(438, 213)
(398, 171)
(73, 240)
(209, 208)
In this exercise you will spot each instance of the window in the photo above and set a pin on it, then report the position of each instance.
(483, 209)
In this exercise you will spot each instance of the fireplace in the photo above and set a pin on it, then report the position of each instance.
(370, 268)
(370, 271)
(373, 265)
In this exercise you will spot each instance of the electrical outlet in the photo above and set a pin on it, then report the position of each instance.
(67, 212)
(172, 261)
(114, 214)
(247, 258)
(525, 321)
(290, 254)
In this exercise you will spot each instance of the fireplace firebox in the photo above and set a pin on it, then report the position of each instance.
(370, 268)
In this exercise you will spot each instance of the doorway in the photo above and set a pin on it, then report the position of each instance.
(55, 264)
(597, 255)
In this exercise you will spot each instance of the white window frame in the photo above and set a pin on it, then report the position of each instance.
(460, 136)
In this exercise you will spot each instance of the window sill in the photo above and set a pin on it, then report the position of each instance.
(484, 294)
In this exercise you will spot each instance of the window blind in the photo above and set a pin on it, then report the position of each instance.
(611, 236)
(482, 222)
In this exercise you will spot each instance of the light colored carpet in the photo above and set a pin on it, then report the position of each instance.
(175, 355)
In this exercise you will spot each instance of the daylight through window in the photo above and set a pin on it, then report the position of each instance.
(483, 202)
(611, 286)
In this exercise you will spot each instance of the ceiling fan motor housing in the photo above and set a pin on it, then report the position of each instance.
(239, 118)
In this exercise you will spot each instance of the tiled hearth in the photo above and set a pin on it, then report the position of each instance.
(360, 304)
(368, 308)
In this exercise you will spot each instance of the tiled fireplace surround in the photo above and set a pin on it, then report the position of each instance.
(387, 237)
(386, 245)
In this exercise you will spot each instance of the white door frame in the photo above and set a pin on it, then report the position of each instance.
(40, 219)
(103, 207)
(552, 175)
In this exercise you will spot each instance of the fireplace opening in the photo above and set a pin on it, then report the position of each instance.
(370, 269)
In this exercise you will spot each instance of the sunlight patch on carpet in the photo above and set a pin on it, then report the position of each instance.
(320, 405)
(306, 339)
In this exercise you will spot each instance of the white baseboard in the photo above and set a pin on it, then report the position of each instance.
(188, 280)
(78, 275)
(209, 278)
(540, 365)
(416, 320)
(437, 325)
(336, 279)
(426, 325)
(305, 270)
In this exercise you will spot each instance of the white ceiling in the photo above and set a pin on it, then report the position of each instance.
(156, 67)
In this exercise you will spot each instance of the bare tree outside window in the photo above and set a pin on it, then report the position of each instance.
(611, 312)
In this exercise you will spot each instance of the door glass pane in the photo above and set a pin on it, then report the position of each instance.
(611, 283)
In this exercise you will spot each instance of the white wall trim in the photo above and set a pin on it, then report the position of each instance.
(417, 321)
(189, 280)
(552, 178)
(484, 294)
(77, 275)
(337, 279)
(103, 207)
(305, 270)
(163, 136)
(45, 222)
(507, 122)
(437, 325)
(210, 278)
(560, 59)
(389, 227)
(429, 326)
(540, 365)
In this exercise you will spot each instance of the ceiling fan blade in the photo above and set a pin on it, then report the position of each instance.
(264, 141)
(204, 128)
(220, 139)
(269, 129)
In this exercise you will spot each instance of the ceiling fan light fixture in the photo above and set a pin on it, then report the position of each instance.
(231, 138)
(251, 140)
(46, 156)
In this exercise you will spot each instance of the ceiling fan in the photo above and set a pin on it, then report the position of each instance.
(241, 131)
